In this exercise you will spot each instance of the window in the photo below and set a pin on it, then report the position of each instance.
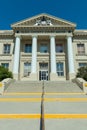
(6, 48)
(5, 65)
(59, 48)
(60, 69)
(28, 48)
(82, 64)
(43, 48)
(43, 66)
(80, 48)
(27, 69)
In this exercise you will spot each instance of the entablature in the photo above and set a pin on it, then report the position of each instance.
(6, 32)
(43, 34)
(80, 32)
(39, 29)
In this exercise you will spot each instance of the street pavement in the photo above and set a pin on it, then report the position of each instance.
(67, 110)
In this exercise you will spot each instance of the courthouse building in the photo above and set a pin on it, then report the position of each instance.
(43, 47)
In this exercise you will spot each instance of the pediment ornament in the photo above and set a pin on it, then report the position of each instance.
(43, 21)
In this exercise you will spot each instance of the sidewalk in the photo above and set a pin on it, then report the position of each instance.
(20, 110)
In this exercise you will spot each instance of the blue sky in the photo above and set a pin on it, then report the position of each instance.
(12, 11)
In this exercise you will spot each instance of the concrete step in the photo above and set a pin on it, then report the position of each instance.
(50, 86)
(25, 84)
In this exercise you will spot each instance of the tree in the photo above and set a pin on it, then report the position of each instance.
(5, 73)
(82, 73)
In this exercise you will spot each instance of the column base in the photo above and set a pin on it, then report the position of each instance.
(71, 76)
(53, 77)
(33, 77)
(16, 76)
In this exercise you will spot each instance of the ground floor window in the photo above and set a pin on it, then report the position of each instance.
(27, 69)
(60, 69)
(6, 65)
(82, 64)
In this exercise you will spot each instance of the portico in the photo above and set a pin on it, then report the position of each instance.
(47, 56)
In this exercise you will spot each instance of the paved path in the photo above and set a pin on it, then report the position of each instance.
(11, 112)
(22, 110)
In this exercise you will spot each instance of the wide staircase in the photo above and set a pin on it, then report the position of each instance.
(49, 86)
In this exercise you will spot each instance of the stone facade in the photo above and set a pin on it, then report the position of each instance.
(43, 48)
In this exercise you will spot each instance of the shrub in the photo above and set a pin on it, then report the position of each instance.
(82, 73)
(5, 73)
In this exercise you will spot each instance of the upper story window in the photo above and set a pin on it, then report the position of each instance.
(81, 48)
(6, 48)
(59, 48)
(5, 65)
(43, 48)
(60, 69)
(28, 48)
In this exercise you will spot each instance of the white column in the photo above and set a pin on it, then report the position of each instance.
(34, 54)
(70, 55)
(16, 56)
(53, 54)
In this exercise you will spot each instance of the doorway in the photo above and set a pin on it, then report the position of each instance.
(43, 72)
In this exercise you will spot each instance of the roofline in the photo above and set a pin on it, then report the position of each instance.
(6, 32)
(81, 30)
(57, 18)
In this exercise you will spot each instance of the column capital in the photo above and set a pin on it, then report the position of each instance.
(69, 35)
(18, 35)
(34, 36)
(52, 36)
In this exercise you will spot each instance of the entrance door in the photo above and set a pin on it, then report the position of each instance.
(43, 71)
(43, 75)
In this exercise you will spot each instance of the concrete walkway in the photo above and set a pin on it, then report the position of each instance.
(62, 110)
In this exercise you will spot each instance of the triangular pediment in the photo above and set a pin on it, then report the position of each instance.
(43, 20)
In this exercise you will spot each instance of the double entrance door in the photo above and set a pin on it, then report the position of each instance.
(43, 73)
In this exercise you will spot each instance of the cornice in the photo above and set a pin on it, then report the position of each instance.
(80, 32)
(41, 26)
(41, 15)
(6, 32)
